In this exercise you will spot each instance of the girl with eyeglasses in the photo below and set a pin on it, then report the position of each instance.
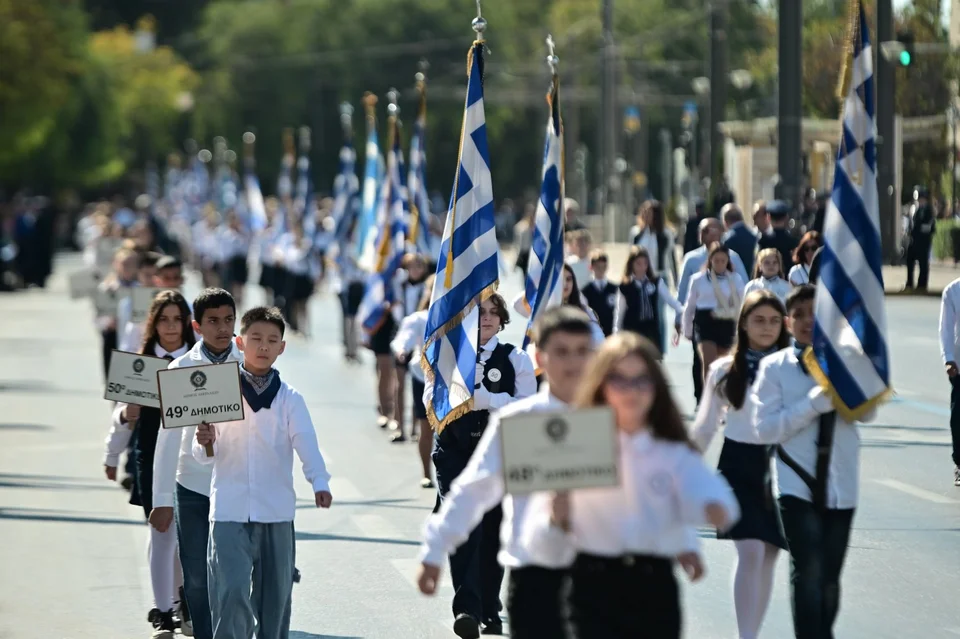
(803, 258)
(744, 460)
(622, 542)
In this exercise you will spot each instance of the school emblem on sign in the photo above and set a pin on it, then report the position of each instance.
(557, 430)
(138, 366)
(494, 375)
(198, 379)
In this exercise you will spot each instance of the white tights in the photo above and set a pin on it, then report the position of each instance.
(753, 584)
(166, 576)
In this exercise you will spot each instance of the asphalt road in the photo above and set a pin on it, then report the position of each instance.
(72, 551)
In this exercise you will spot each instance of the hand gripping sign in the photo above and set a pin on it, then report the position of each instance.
(200, 394)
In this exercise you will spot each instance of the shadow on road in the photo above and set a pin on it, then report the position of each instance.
(386, 503)
(299, 634)
(305, 536)
(25, 427)
(52, 482)
(37, 514)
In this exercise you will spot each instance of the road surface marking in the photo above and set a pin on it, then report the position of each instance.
(343, 489)
(376, 527)
(920, 493)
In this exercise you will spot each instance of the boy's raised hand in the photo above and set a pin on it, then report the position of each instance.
(206, 434)
(323, 499)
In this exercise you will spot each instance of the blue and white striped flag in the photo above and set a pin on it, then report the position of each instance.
(371, 190)
(543, 287)
(849, 358)
(467, 272)
(419, 237)
(379, 295)
(346, 186)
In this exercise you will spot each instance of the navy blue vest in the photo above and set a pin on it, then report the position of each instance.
(602, 301)
(649, 328)
(498, 377)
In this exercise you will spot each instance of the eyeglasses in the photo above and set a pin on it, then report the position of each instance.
(624, 382)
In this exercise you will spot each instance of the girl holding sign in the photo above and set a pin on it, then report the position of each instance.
(744, 461)
(622, 541)
(169, 335)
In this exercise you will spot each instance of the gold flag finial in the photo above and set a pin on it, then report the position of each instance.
(853, 29)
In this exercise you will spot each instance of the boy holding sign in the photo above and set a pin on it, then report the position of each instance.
(181, 485)
(253, 500)
(564, 346)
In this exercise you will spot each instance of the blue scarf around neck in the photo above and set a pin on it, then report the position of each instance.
(259, 390)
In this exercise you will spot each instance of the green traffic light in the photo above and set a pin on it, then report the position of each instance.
(905, 58)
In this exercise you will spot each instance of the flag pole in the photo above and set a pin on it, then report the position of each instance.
(479, 25)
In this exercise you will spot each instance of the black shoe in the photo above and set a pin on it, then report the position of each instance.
(296, 576)
(163, 626)
(398, 437)
(466, 627)
(956, 476)
(127, 482)
(492, 627)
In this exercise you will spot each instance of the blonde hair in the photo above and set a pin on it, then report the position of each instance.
(664, 419)
(764, 254)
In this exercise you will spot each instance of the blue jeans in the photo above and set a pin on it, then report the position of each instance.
(192, 511)
(251, 578)
(818, 545)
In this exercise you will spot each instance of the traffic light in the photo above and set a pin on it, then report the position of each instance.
(905, 38)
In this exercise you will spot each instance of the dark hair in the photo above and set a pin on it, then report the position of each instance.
(636, 252)
(212, 297)
(147, 259)
(168, 261)
(808, 237)
(598, 255)
(561, 319)
(800, 294)
(733, 385)
(500, 309)
(268, 314)
(664, 419)
(160, 302)
(574, 299)
(715, 248)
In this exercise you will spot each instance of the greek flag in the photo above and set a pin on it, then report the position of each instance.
(542, 288)
(467, 272)
(419, 237)
(390, 242)
(371, 188)
(345, 189)
(849, 356)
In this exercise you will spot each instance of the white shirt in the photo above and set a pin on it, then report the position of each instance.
(692, 265)
(580, 267)
(786, 405)
(664, 490)
(253, 461)
(715, 409)
(949, 325)
(173, 461)
(409, 339)
(703, 297)
(120, 431)
(776, 285)
(799, 275)
(620, 309)
(478, 489)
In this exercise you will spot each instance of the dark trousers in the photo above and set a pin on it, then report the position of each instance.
(918, 252)
(697, 371)
(818, 545)
(627, 597)
(474, 570)
(109, 337)
(955, 418)
(192, 514)
(535, 603)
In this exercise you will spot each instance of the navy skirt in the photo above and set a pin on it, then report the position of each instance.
(710, 329)
(746, 467)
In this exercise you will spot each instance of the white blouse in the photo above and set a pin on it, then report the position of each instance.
(409, 339)
(715, 409)
(799, 275)
(664, 490)
(776, 285)
(703, 297)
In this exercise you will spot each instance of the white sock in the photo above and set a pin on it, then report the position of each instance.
(747, 585)
(161, 551)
